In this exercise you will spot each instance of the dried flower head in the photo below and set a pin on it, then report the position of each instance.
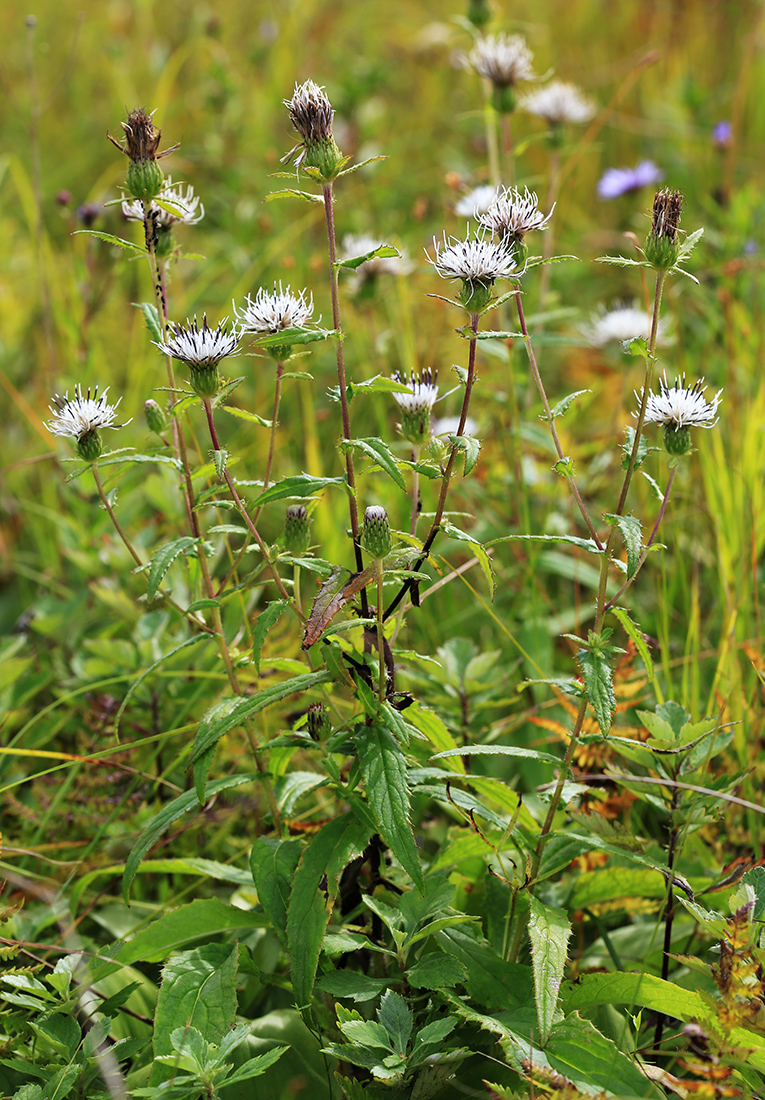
(679, 408)
(620, 181)
(477, 262)
(201, 350)
(270, 312)
(476, 202)
(511, 215)
(82, 418)
(661, 246)
(311, 113)
(622, 322)
(417, 404)
(180, 206)
(141, 145)
(558, 104)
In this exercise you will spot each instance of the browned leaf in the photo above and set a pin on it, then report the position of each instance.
(332, 597)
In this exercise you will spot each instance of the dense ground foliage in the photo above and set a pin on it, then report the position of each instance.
(358, 743)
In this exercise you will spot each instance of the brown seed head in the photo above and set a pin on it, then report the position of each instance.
(667, 206)
(141, 138)
(311, 112)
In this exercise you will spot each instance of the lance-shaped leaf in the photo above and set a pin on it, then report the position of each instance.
(151, 317)
(564, 404)
(163, 559)
(383, 251)
(383, 766)
(634, 634)
(595, 662)
(292, 193)
(293, 335)
(300, 485)
(549, 932)
(631, 532)
(112, 240)
(266, 619)
(332, 597)
(380, 454)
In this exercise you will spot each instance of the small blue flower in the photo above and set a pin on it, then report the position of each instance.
(620, 181)
(722, 134)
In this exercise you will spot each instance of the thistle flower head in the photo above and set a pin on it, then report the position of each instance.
(511, 215)
(82, 417)
(620, 181)
(187, 208)
(679, 408)
(622, 322)
(503, 59)
(661, 246)
(558, 104)
(297, 531)
(311, 114)
(141, 146)
(375, 532)
(199, 348)
(476, 202)
(477, 262)
(417, 404)
(272, 311)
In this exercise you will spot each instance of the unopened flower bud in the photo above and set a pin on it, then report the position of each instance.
(317, 722)
(311, 113)
(375, 534)
(144, 175)
(661, 246)
(156, 417)
(479, 12)
(297, 533)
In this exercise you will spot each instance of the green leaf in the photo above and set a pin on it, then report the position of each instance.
(383, 767)
(353, 986)
(549, 933)
(564, 404)
(484, 560)
(755, 878)
(163, 559)
(254, 1067)
(232, 711)
(637, 346)
(635, 635)
(428, 722)
(688, 245)
(491, 981)
(621, 261)
(489, 334)
(300, 485)
(291, 193)
(151, 316)
(436, 971)
(293, 336)
(500, 750)
(383, 251)
(266, 619)
(380, 454)
(273, 864)
(470, 447)
(147, 672)
(220, 461)
(111, 240)
(396, 1017)
(314, 887)
(245, 414)
(573, 540)
(631, 532)
(616, 883)
(641, 990)
(165, 818)
(379, 384)
(595, 663)
(198, 990)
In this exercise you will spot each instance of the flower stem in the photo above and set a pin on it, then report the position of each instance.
(382, 686)
(329, 215)
(447, 474)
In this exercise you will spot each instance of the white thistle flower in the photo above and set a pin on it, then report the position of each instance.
(623, 322)
(187, 207)
(79, 415)
(513, 214)
(476, 202)
(480, 260)
(503, 59)
(199, 348)
(423, 391)
(270, 312)
(359, 244)
(681, 406)
(558, 103)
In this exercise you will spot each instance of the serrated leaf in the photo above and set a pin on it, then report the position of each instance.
(273, 864)
(632, 533)
(245, 414)
(584, 544)
(397, 1018)
(220, 461)
(564, 404)
(383, 251)
(165, 818)
(299, 485)
(379, 384)
(231, 712)
(564, 466)
(314, 887)
(436, 971)
(256, 1066)
(480, 552)
(634, 634)
(151, 316)
(467, 333)
(499, 750)
(112, 240)
(266, 619)
(292, 193)
(688, 245)
(353, 986)
(163, 559)
(549, 933)
(293, 336)
(470, 447)
(383, 767)
(637, 346)
(621, 261)
(380, 454)
(598, 685)
(333, 595)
